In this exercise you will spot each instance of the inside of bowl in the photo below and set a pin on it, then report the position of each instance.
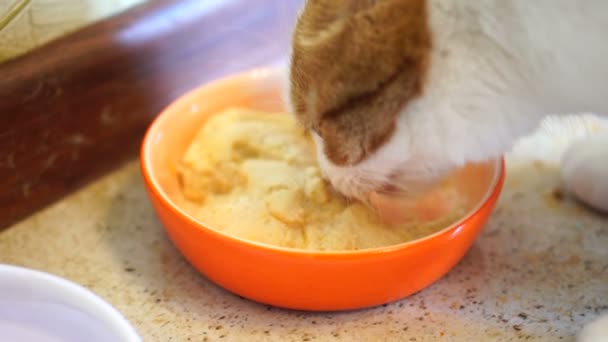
(261, 90)
(35, 306)
(475, 181)
(172, 133)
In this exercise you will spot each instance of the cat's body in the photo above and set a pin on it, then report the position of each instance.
(471, 78)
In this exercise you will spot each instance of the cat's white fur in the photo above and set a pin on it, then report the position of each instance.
(497, 68)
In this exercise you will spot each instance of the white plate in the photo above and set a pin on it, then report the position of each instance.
(40, 307)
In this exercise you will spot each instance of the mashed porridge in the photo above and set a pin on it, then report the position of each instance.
(254, 175)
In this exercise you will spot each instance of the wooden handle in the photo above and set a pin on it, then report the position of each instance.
(78, 107)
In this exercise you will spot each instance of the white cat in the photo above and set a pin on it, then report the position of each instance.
(396, 93)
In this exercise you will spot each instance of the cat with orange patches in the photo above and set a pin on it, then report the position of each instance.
(399, 93)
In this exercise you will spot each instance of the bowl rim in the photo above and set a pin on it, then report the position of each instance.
(492, 192)
(73, 294)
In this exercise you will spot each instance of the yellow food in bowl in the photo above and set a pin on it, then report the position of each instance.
(254, 175)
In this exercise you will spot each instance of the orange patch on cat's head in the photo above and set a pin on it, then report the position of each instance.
(355, 65)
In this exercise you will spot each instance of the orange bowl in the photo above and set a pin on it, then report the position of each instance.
(291, 278)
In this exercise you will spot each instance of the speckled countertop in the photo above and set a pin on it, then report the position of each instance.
(538, 272)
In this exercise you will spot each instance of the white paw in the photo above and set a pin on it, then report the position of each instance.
(585, 171)
(596, 331)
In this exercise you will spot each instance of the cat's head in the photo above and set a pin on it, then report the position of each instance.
(355, 67)
(379, 95)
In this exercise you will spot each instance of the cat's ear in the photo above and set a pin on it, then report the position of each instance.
(355, 65)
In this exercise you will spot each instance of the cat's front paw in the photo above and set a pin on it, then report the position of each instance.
(596, 331)
(585, 172)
